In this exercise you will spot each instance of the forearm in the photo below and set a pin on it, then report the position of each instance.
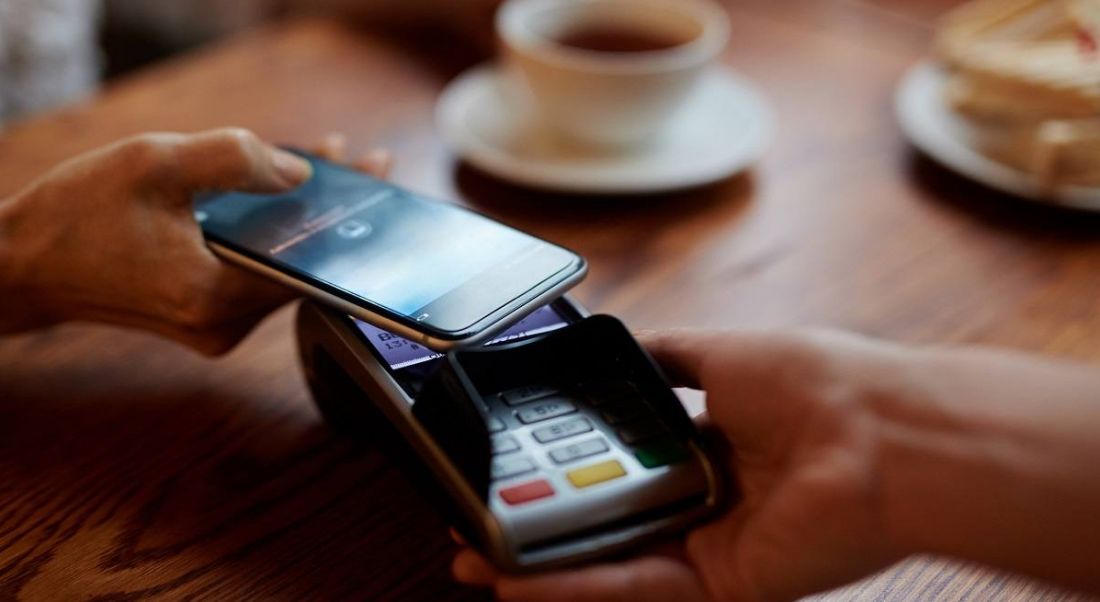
(996, 458)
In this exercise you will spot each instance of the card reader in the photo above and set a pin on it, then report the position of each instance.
(558, 442)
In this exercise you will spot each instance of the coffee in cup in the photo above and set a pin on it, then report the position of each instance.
(604, 38)
(609, 73)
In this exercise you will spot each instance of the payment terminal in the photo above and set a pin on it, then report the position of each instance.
(557, 442)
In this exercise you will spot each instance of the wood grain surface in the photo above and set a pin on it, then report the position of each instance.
(132, 469)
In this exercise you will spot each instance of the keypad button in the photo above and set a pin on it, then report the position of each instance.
(596, 473)
(642, 431)
(662, 453)
(494, 424)
(527, 492)
(562, 430)
(523, 395)
(506, 468)
(504, 444)
(623, 411)
(545, 411)
(576, 451)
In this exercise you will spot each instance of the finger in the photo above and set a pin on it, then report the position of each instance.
(333, 147)
(234, 159)
(377, 163)
(222, 337)
(752, 380)
(227, 310)
(680, 353)
(713, 548)
(457, 537)
(649, 579)
(731, 356)
(219, 343)
(241, 291)
(784, 552)
(470, 568)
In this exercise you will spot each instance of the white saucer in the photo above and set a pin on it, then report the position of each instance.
(934, 129)
(722, 129)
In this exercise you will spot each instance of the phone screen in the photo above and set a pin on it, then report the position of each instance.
(434, 264)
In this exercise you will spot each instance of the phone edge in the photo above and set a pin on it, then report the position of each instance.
(394, 326)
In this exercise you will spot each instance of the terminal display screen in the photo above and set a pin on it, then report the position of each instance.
(401, 353)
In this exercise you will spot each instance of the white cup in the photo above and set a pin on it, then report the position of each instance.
(609, 100)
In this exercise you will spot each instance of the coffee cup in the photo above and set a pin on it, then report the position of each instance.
(609, 74)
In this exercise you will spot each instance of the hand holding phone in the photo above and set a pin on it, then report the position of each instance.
(129, 253)
(432, 272)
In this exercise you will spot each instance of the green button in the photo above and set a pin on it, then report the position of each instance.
(662, 453)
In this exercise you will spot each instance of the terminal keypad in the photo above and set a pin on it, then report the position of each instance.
(577, 436)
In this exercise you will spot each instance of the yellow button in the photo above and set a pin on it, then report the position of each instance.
(597, 473)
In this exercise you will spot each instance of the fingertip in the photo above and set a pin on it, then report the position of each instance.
(680, 353)
(290, 168)
(377, 162)
(379, 155)
(460, 567)
(470, 568)
(333, 146)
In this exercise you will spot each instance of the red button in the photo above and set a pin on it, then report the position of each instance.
(521, 494)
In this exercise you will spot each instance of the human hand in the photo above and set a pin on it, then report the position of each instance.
(110, 236)
(799, 411)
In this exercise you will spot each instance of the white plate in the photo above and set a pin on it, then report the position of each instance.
(721, 129)
(934, 129)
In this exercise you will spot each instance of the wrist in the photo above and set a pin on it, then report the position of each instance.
(926, 456)
(991, 457)
(948, 462)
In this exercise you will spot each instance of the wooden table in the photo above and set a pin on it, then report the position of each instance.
(130, 468)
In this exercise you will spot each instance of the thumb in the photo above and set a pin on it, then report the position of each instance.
(235, 159)
(748, 378)
(680, 352)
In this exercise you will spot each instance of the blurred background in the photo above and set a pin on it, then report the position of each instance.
(57, 51)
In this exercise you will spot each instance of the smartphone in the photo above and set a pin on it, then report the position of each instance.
(431, 272)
